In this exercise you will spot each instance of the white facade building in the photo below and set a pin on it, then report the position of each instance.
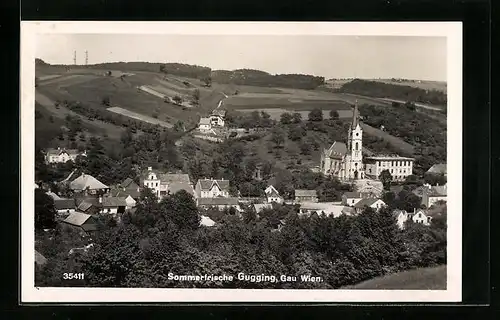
(398, 167)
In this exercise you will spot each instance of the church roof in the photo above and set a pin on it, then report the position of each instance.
(337, 149)
(355, 116)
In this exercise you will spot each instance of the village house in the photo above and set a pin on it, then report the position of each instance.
(351, 198)
(273, 195)
(163, 184)
(88, 185)
(219, 203)
(327, 208)
(90, 206)
(84, 222)
(129, 190)
(306, 196)
(433, 194)
(64, 207)
(204, 125)
(212, 188)
(258, 207)
(417, 216)
(373, 203)
(112, 205)
(61, 155)
(217, 118)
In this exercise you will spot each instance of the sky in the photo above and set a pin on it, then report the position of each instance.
(418, 58)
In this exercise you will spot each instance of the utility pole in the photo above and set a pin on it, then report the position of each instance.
(86, 57)
(74, 57)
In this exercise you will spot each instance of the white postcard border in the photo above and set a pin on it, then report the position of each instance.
(451, 30)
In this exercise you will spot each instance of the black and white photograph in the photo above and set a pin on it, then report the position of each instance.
(247, 161)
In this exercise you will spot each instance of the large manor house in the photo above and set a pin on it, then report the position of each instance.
(346, 162)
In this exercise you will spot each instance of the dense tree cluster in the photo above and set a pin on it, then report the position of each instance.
(248, 120)
(385, 90)
(263, 79)
(164, 238)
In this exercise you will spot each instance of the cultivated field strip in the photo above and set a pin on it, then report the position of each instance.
(137, 116)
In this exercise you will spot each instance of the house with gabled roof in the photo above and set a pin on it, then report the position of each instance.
(373, 203)
(206, 221)
(217, 117)
(306, 196)
(112, 205)
(351, 198)
(204, 125)
(433, 194)
(88, 185)
(212, 188)
(85, 222)
(273, 195)
(163, 184)
(61, 155)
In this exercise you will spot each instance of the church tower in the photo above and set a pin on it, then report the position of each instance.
(355, 147)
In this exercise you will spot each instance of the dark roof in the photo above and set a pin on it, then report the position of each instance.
(113, 202)
(134, 193)
(206, 184)
(306, 193)
(128, 183)
(352, 194)
(337, 150)
(84, 206)
(219, 112)
(61, 204)
(175, 187)
(365, 202)
(219, 201)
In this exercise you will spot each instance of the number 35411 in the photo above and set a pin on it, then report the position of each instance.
(73, 276)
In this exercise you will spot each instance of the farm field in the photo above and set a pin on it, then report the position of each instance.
(418, 279)
(138, 116)
(95, 126)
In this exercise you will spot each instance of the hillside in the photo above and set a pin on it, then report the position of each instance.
(418, 279)
(402, 92)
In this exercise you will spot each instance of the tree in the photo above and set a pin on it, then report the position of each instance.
(177, 99)
(296, 117)
(295, 133)
(181, 209)
(316, 115)
(386, 178)
(334, 115)
(179, 126)
(278, 137)
(45, 212)
(305, 148)
(208, 81)
(105, 101)
(286, 118)
(196, 95)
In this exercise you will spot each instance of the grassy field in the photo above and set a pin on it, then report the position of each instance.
(418, 279)
(138, 116)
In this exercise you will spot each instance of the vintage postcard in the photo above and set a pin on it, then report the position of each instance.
(241, 162)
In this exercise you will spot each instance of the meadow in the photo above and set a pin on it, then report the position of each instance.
(421, 84)
(417, 279)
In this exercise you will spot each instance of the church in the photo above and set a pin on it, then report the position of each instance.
(346, 161)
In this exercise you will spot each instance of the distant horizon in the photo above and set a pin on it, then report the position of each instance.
(333, 57)
(242, 68)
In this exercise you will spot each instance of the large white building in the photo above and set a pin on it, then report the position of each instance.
(398, 167)
(345, 161)
(212, 188)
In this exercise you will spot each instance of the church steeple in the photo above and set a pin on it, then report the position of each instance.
(355, 116)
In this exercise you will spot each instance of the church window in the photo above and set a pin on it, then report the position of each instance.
(357, 134)
(357, 144)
